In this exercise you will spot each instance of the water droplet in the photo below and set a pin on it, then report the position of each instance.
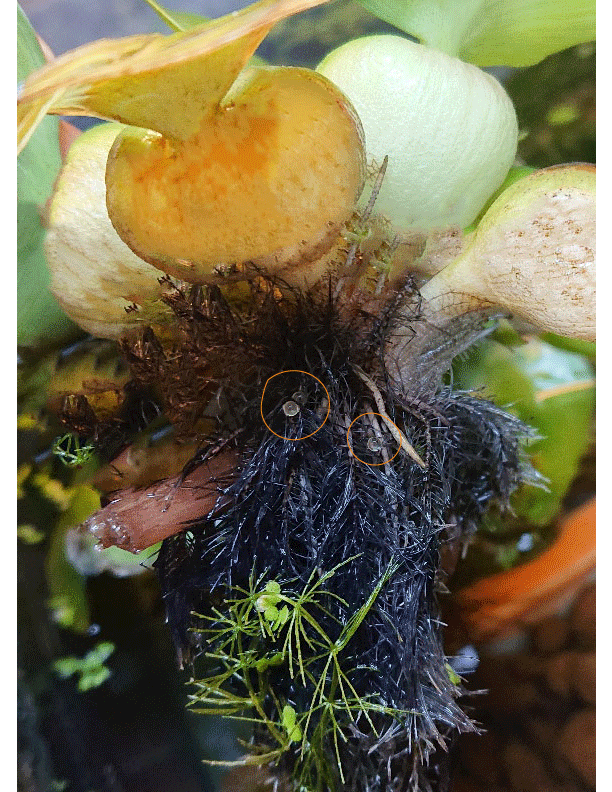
(290, 408)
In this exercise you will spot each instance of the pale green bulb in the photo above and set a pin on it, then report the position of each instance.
(448, 128)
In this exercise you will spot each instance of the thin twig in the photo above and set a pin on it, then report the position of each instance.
(405, 446)
(375, 190)
(363, 218)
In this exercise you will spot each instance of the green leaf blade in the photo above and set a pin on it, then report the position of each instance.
(179, 21)
(553, 391)
(524, 32)
(492, 32)
(40, 320)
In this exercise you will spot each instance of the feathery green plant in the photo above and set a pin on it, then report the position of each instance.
(268, 631)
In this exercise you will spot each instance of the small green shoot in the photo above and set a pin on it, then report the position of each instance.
(69, 449)
(30, 534)
(452, 674)
(91, 669)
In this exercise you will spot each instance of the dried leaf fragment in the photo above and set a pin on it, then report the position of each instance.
(149, 80)
(138, 518)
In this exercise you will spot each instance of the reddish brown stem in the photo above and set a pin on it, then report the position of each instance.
(138, 518)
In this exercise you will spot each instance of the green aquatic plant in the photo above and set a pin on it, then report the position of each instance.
(68, 448)
(269, 634)
(90, 669)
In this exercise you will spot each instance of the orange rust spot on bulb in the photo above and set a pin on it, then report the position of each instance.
(237, 142)
(183, 179)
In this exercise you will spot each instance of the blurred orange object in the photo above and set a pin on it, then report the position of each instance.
(67, 133)
(536, 589)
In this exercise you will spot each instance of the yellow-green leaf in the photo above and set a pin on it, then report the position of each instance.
(492, 32)
(177, 20)
(524, 32)
(23, 472)
(68, 598)
(30, 534)
(288, 717)
(166, 83)
(40, 321)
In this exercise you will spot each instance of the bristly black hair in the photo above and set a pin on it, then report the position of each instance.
(327, 545)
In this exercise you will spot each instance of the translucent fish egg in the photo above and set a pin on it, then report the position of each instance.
(290, 408)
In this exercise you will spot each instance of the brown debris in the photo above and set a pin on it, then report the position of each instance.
(583, 680)
(577, 744)
(480, 757)
(141, 464)
(550, 635)
(540, 735)
(572, 672)
(526, 770)
(181, 375)
(582, 618)
(560, 671)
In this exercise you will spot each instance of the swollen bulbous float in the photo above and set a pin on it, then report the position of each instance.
(448, 128)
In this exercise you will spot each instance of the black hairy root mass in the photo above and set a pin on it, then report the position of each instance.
(311, 591)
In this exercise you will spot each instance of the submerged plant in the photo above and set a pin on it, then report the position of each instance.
(301, 338)
(91, 669)
(69, 449)
(343, 543)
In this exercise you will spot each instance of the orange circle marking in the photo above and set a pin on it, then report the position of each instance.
(348, 442)
(291, 371)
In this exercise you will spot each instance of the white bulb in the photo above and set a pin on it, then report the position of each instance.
(448, 128)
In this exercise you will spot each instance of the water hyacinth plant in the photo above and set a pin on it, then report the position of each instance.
(281, 255)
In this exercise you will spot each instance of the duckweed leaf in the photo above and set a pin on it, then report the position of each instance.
(91, 669)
